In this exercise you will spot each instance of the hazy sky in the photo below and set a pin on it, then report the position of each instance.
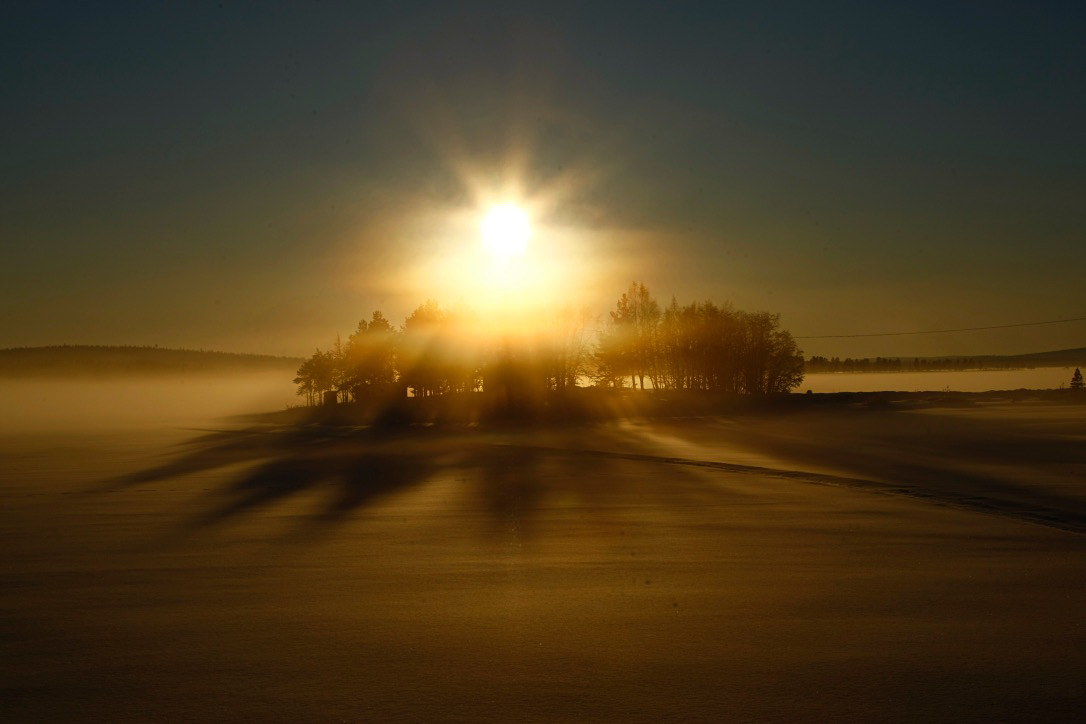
(259, 176)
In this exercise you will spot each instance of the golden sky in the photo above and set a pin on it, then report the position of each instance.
(259, 179)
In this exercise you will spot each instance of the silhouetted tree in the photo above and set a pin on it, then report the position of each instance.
(630, 346)
(784, 365)
(609, 365)
(699, 347)
(336, 358)
(722, 346)
(305, 381)
(1076, 380)
(672, 347)
(418, 358)
(646, 320)
(771, 362)
(369, 358)
(316, 376)
(564, 356)
(436, 354)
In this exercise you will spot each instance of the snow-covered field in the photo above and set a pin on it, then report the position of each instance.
(825, 564)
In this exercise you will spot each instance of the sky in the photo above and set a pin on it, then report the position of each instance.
(257, 177)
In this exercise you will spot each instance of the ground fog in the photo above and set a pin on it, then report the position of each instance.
(114, 403)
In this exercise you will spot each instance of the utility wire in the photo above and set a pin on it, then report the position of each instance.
(942, 331)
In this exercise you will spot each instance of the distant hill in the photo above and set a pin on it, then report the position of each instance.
(97, 361)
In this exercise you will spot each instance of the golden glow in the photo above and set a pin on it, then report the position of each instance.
(513, 235)
(563, 266)
(506, 231)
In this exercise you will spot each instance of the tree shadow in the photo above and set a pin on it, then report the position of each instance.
(512, 477)
(355, 481)
(355, 467)
(516, 474)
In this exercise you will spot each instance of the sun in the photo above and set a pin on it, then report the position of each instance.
(506, 231)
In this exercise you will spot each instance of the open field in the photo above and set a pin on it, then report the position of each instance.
(833, 563)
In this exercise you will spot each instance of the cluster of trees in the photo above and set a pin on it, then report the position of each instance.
(436, 351)
(367, 362)
(698, 346)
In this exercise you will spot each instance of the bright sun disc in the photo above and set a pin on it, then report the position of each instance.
(506, 231)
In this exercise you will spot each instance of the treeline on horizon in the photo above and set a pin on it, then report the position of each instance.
(105, 360)
(438, 351)
(1061, 358)
(891, 364)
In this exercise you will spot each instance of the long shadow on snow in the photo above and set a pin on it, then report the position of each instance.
(506, 478)
(355, 468)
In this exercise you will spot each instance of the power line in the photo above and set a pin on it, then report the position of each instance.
(942, 331)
